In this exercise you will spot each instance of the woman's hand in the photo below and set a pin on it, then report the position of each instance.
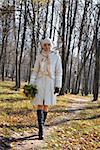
(57, 90)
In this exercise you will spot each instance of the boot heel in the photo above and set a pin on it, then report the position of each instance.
(41, 131)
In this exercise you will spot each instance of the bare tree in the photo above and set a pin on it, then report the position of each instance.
(52, 16)
(46, 19)
(33, 44)
(22, 44)
(97, 59)
(19, 28)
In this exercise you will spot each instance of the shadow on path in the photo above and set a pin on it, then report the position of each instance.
(5, 143)
(17, 126)
(31, 137)
(74, 119)
(69, 110)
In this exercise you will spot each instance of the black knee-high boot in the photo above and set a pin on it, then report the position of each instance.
(45, 115)
(40, 116)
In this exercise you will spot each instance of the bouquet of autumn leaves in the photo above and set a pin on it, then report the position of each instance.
(30, 90)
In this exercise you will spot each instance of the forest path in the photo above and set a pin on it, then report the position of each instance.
(28, 141)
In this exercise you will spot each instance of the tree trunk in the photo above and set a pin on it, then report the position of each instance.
(46, 19)
(33, 45)
(17, 46)
(97, 61)
(22, 45)
(63, 48)
(53, 3)
(4, 58)
(14, 31)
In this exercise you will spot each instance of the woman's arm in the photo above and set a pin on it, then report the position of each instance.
(58, 73)
(35, 70)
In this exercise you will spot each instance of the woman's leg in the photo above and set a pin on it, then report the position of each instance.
(40, 116)
(40, 107)
(45, 110)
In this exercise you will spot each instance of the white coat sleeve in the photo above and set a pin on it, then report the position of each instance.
(58, 73)
(35, 70)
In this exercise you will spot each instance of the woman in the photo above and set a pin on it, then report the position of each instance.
(47, 75)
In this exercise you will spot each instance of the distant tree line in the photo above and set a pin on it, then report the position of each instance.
(73, 26)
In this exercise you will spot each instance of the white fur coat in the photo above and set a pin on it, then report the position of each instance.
(46, 74)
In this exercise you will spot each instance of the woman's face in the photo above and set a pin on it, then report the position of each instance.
(46, 47)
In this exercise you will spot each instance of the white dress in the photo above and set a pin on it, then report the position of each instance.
(46, 74)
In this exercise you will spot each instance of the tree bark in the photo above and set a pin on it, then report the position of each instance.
(46, 19)
(97, 60)
(33, 45)
(53, 3)
(22, 45)
(17, 46)
(63, 48)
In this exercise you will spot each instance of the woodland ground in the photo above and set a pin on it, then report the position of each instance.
(72, 124)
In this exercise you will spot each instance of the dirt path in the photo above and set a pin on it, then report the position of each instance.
(27, 141)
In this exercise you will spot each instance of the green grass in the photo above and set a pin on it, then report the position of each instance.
(8, 84)
(15, 110)
(14, 96)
